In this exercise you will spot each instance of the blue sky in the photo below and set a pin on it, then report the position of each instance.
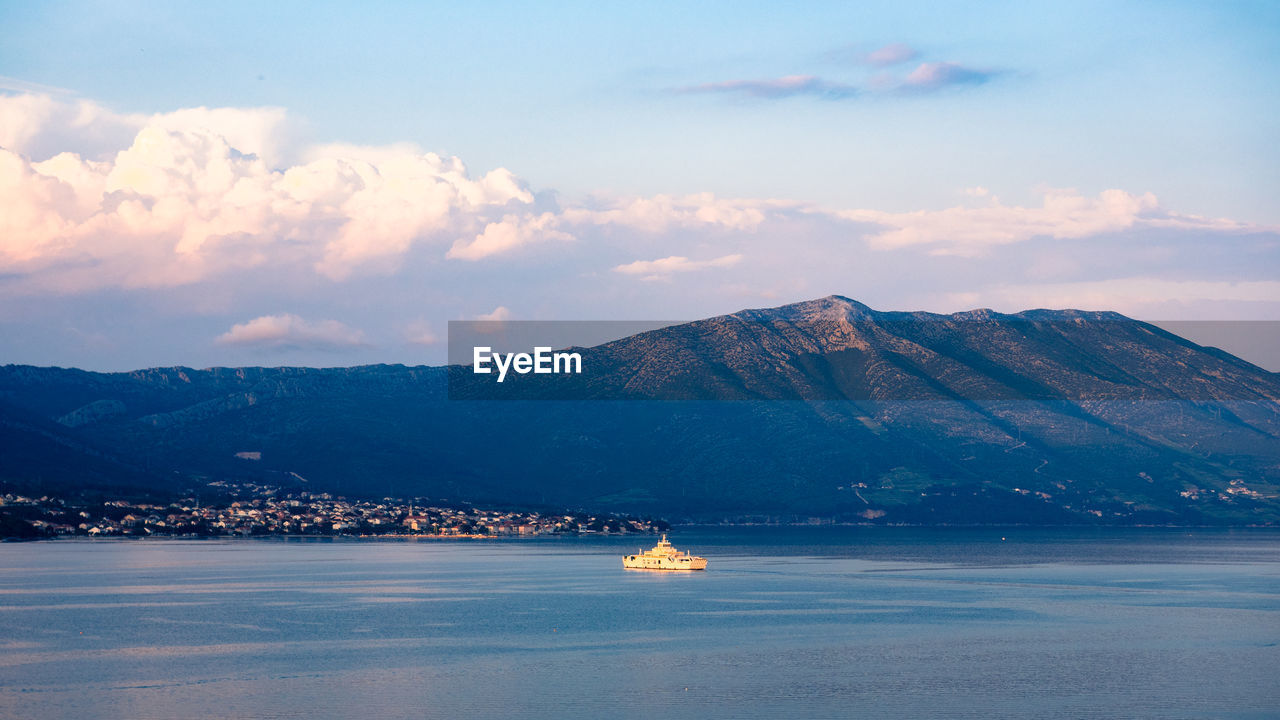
(643, 161)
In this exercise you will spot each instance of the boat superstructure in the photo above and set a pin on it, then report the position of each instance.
(663, 556)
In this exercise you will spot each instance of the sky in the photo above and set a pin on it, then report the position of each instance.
(324, 184)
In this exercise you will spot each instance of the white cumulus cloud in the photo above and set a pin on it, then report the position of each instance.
(659, 213)
(508, 234)
(288, 331)
(972, 231)
(218, 199)
(499, 314)
(675, 264)
(189, 195)
(194, 193)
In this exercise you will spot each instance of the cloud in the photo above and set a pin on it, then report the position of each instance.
(970, 231)
(891, 54)
(499, 314)
(196, 193)
(774, 88)
(263, 131)
(193, 193)
(925, 78)
(290, 332)
(663, 267)
(937, 75)
(186, 213)
(18, 85)
(511, 232)
(660, 213)
(40, 125)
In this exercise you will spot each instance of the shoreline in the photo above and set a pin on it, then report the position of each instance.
(692, 526)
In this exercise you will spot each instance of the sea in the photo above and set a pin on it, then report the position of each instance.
(786, 622)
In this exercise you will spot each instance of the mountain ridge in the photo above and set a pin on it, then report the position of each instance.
(839, 411)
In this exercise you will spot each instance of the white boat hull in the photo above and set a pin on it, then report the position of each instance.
(634, 562)
(663, 557)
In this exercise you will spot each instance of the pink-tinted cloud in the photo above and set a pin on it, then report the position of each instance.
(498, 314)
(972, 231)
(781, 87)
(506, 235)
(192, 195)
(925, 78)
(891, 54)
(938, 75)
(659, 213)
(182, 204)
(290, 332)
(675, 264)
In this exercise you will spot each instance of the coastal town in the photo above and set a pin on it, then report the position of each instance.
(257, 510)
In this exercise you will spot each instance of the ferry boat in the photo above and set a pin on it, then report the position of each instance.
(663, 556)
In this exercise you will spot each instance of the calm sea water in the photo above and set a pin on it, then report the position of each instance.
(834, 622)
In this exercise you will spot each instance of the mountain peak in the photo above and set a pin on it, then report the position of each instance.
(838, 301)
(831, 307)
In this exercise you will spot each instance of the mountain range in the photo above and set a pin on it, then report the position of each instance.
(819, 411)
